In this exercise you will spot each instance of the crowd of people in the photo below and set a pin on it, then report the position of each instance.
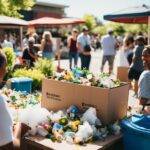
(80, 45)
(9, 40)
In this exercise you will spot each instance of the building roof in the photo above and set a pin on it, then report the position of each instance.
(50, 3)
(5, 20)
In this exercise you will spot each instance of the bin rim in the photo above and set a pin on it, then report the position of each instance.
(17, 79)
(128, 124)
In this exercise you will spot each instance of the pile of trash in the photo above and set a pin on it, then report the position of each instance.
(85, 77)
(20, 100)
(72, 125)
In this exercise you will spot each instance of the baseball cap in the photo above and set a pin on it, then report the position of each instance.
(75, 30)
(110, 31)
(85, 28)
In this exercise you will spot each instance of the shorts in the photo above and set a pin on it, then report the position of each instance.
(48, 55)
(109, 58)
(134, 74)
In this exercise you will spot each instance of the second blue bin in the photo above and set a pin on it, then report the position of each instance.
(136, 132)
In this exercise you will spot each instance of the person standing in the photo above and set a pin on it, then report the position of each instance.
(25, 41)
(84, 47)
(144, 80)
(136, 67)
(128, 48)
(72, 45)
(47, 45)
(108, 43)
(6, 43)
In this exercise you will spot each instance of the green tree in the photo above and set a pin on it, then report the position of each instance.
(100, 30)
(136, 28)
(12, 7)
(90, 21)
(117, 27)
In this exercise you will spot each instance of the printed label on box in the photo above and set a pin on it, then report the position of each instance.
(53, 96)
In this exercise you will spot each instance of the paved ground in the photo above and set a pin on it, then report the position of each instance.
(95, 68)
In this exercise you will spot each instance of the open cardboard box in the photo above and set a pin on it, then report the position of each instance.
(111, 104)
(122, 74)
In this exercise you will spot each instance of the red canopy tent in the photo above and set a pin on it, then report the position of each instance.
(72, 20)
(49, 21)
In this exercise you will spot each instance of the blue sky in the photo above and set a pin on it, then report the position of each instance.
(77, 8)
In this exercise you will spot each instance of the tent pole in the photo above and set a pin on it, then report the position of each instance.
(148, 30)
(21, 38)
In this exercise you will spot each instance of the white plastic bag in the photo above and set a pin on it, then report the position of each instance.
(55, 117)
(107, 82)
(90, 117)
(34, 116)
(84, 133)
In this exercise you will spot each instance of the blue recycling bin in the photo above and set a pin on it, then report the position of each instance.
(136, 132)
(23, 84)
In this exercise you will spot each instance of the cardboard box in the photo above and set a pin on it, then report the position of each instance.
(39, 143)
(122, 74)
(111, 104)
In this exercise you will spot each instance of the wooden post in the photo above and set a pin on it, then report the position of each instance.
(21, 38)
(148, 30)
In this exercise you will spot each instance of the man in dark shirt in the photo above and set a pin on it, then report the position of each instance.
(30, 53)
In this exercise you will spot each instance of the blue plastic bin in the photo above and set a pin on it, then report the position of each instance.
(23, 84)
(136, 132)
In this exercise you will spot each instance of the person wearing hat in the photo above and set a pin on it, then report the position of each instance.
(72, 45)
(84, 47)
(136, 67)
(109, 44)
(30, 53)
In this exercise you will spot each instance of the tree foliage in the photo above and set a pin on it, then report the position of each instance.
(90, 21)
(12, 7)
(95, 26)
(100, 30)
(136, 28)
